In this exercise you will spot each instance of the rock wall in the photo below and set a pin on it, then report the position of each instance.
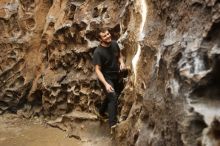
(47, 49)
(176, 99)
(172, 95)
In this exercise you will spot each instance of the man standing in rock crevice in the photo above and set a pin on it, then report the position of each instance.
(108, 62)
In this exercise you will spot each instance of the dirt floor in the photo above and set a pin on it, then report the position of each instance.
(15, 131)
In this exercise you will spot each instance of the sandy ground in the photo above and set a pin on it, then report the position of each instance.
(15, 131)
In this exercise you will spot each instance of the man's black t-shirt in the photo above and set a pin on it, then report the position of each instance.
(107, 58)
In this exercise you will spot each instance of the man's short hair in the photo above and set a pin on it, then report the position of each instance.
(104, 29)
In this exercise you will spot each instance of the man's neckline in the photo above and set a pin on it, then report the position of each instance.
(106, 46)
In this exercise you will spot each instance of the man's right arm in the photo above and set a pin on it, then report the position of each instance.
(102, 79)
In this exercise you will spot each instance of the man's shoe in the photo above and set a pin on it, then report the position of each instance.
(113, 128)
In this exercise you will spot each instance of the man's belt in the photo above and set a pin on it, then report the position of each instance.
(122, 73)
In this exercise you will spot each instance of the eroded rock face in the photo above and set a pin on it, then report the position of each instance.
(47, 49)
(172, 95)
(177, 89)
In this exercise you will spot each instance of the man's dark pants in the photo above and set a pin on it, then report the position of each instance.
(110, 102)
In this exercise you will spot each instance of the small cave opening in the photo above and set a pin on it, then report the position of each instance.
(104, 10)
(34, 103)
(30, 23)
(50, 2)
(115, 32)
(197, 126)
(82, 26)
(91, 35)
(77, 27)
(37, 98)
(95, 12)
(211, 83)
(61, 31)
(51, 25)
(216, 129)
(214, 34)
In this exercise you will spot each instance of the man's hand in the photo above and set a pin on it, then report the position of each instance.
(122, 66)
(109, 88)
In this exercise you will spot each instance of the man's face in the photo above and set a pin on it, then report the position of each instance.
(105, 37)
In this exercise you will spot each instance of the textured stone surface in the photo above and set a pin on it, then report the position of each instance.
(177, 89)
(171, 99)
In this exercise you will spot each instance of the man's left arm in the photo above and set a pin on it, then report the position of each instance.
(121, 61)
